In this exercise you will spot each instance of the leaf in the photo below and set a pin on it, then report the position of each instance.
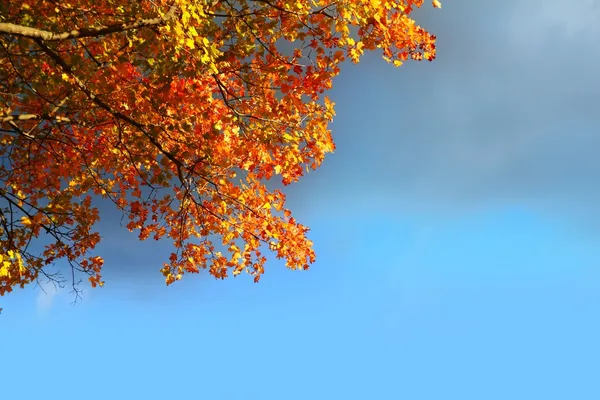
(185, 17)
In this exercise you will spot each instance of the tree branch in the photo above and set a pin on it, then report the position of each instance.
(27, 117)
(105, 106)
(34, 33)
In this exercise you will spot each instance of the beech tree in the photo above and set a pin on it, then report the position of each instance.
(179, 112)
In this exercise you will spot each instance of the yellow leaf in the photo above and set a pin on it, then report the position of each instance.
(25, 221)
(190, 43)
(178, 30)
(65, 77)
(185, 17)
(437, 4)
(267, 206)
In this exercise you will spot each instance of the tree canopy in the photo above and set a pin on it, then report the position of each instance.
(179, 112)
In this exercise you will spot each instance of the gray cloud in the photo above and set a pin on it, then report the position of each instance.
(508, 112)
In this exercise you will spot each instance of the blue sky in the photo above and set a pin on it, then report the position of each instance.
(457, 229)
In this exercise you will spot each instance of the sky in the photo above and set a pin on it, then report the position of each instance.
(457, 230)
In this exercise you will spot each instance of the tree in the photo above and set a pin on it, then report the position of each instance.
(178, 111)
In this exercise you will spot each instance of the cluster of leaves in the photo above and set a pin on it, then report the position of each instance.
(178, 111)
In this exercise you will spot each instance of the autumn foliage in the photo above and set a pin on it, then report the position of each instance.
(178, 111)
